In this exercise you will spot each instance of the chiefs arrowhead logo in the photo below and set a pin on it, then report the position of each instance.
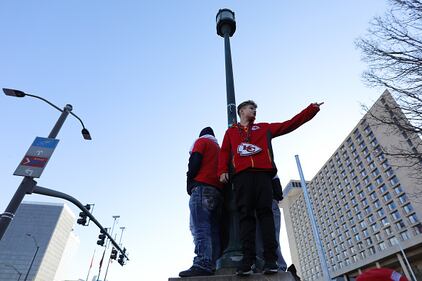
(247, 149)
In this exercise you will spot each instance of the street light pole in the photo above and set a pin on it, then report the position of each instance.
(28, 183)
(403, 253)
(33, 258)
(324, 266)
(109, 258)
(226, 26)
(121, 235)
(17, 271)
(405, 258)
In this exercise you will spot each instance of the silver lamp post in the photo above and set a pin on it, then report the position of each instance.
(397, 241)
(324, 266)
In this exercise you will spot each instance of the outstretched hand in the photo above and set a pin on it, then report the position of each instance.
(318, 103)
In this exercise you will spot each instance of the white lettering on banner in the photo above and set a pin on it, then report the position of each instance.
(247, 149)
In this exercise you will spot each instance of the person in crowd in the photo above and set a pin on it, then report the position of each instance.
(247, 149)
(205, 203)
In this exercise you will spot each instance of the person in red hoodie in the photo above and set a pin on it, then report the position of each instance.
(205, 203)
(247, 153)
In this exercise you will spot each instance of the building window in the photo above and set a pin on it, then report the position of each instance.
(379, 180)
(404, 235)
(392, 240)
(377, 204)
(375, 172)
(367, 210)
(418, 229)
(403, 199)
(383, 188)
(384, 221)
(394, 181)
(398, 189)
(382, 246)
(408, 208)
(389, 172)
(392, 206)
(365, 233)
(412, 218)
(395, 215)
(381, 213)
(400, 225)
(387, 197)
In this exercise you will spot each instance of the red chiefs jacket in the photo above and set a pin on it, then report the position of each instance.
(209, 150)
(250, 148)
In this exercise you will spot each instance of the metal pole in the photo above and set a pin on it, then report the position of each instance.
(231, 101)
(121, 235)
(90, 266)
(109, 258)
(325, 273)
(405, 258)
(57, 194)
(27, 185)
(232, 254)
(15, 269)
(33, 258)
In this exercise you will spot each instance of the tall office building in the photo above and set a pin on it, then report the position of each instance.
(37, 239)
(366, 203)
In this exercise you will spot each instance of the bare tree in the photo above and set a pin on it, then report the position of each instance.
(393, 51)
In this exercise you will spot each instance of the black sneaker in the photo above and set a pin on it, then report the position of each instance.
(244, 270)
(195, 271)
(270, 268)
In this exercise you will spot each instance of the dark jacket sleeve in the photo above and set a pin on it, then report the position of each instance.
(194, 166)
(277, 190)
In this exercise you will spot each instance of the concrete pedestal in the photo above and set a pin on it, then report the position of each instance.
(281, 276)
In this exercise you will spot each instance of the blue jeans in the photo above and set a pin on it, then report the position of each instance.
(205, 211)
(282, 266)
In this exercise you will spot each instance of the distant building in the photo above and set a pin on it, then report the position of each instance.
(45, 226)
(364, 203)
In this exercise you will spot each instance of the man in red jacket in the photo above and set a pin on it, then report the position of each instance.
(205, 203)
(247, 150)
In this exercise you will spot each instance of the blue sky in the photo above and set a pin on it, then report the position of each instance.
(146, 77)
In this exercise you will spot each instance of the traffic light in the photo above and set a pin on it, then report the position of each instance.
(121, 260)
(101, 238)
(113, 254)
(83, 216)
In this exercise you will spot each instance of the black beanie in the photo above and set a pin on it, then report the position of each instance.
(206, 131)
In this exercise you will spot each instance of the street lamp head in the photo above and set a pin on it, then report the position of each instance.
(86, 134)
(14, 93)
(226, 23)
